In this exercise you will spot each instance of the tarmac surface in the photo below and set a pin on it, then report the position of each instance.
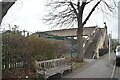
(117, 72)
(99, 68)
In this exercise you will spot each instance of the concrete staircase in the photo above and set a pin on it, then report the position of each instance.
(89, 53)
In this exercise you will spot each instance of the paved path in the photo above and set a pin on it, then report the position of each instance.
(117, 72)
(100, 68)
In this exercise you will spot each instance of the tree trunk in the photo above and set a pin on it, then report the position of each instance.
(80, 54)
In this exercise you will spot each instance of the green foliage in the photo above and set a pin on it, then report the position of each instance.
(76, 64)
(114, 44)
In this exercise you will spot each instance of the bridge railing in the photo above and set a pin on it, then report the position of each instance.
(89, 39)
(100, 43)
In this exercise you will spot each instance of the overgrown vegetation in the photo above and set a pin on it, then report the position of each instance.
(114, 44)
(21, 52)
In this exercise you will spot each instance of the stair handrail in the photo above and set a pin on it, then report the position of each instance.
(89, 39)
(101, 38)
(97, 46)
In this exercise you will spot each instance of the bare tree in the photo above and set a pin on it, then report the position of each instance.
(71, 12)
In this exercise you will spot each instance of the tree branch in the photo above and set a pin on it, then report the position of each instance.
(83, 5)
(89, 1)
(91, 12)
(75, 11)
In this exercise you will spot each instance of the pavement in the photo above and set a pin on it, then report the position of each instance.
(117, 72)
(99, 68)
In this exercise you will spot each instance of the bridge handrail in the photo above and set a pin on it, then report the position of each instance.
(101, 38)
(89, 39)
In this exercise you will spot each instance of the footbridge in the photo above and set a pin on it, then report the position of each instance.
(95, 39)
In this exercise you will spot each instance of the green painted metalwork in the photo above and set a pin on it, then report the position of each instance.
(71, 39)
(44, 34)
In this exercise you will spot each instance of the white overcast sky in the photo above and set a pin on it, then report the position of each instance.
(28, 15)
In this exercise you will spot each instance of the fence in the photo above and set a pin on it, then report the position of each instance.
(12, 65)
